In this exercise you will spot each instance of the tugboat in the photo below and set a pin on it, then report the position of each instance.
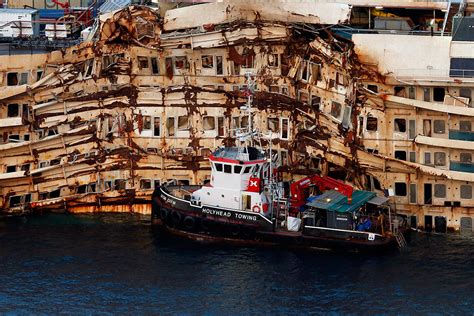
(245, 204)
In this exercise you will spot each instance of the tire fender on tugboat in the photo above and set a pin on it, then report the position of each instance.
(189, 222)
(164, 214)
(176, 218)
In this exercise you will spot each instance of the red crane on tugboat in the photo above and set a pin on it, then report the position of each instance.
(298, 194)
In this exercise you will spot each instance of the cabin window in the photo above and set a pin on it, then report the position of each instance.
(180, 62)
(227, 168)
(340, 79)
(413, 193)
(26, 137)
(400, 92)
(170, 126)
(120, 184)
(12, 79)
(156, 126)
(401, 154)
(273, 124)
(303, 96)
(411, 129)
(336, 109)
(249, 58)
(219, 167)
(209, 123)
(247, 169)
(466, 191)
(88, 67)
(15, 200)
(274, 89)
(220, 126)
(244, 122)
(373, 87)
(438, 94)
(146, 123)
(155, 68)
(219, 65)
(400, 125)
(439, 127)
(145, 184)
(440, 158)
(371, 124)
(427, 158)
(11, 169)
(284, 90)
(400, 189)
(465, 157)
(183, 123)
(13, 110)
(55, 162)
(315, 103)
(156, 183)
(466, 93)
(81, 189)
(142, 62)
(207, 61)
(465, 126)
(274, 60)
(412, 156)
(237, 169)
(427, 94)
(440, 190)
(91, 187)
(14, 138)
(285, 122)
(412, 94)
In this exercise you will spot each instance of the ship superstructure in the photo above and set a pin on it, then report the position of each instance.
(95, 127)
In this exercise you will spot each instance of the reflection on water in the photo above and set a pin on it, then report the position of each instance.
(117, 263)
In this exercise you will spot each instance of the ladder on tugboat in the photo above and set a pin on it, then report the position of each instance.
(402, 243)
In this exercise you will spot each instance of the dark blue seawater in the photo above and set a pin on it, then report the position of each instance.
(116, 264)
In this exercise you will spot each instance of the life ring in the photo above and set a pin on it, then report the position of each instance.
(175, 218)
(256, 208)
(189, 222)
(206, 224)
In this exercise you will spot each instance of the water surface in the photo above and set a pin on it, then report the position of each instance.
(117, 264)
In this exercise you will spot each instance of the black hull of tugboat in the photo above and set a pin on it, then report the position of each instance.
(178, 217)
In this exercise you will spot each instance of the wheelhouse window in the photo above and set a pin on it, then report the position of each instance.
(170, 126)
(248, 56)
(285, 122)
(207, 61)
(155, 68)
(401, 154)
(247, 169)
(218, 167)
(227, 168)
(237, 169)
(180, 62)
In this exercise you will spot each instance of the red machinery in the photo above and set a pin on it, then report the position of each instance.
(298, 196)
(64, 5)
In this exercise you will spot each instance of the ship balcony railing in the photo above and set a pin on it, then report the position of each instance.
(461, 166)
(461, 135)
(349, 31)
(434, 74)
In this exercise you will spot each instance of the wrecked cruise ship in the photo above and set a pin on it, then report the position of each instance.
(376, 94)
